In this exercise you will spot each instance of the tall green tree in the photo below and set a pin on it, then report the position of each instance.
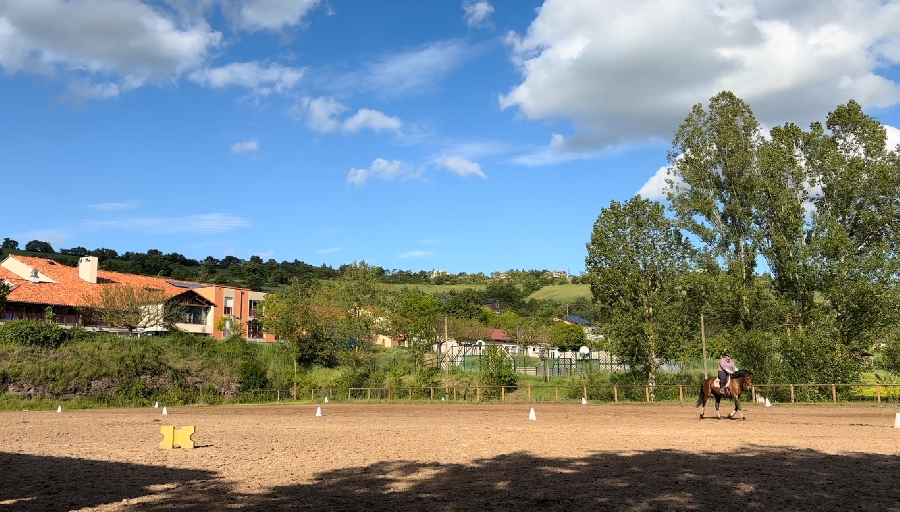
(301, 316)
(713, 185)
(636, 264)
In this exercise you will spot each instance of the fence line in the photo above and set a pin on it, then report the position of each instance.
(609, 393)
(612, 393)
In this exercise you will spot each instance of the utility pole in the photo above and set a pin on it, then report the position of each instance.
(447, 356)
(703, 339)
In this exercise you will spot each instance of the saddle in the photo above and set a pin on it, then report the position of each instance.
(718, 384)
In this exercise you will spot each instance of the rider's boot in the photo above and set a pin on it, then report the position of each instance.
(722, 390)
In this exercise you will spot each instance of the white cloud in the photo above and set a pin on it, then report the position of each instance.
(477, 13)
(383, 169)
(373, 120)
(261, 79)
(112, 207)
(414, 254)
(273, 14)
(461, 166)
(409, 72)
(893, 137)
(123, 43)
(265, 254)
(323, 115)
(203, 223)
(245, 146)
(656, 187)
(628, 72)
(330, 250)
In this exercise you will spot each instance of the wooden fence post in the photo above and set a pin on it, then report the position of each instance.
(878, 393)
(647, 393)
(368, 393)
(556, 390)
(529, 392)
(585, 392)
(681, 394)
(502, 393)
(615, 393)
(432, 393)
(478, 394)
(834, 393)
(792, 393)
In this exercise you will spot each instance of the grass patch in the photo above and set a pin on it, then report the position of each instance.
(563, 293)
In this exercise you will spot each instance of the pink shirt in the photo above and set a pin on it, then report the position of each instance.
(727, 364)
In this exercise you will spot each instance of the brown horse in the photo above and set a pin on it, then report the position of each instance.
(739, 380)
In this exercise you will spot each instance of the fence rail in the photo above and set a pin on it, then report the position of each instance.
(612, 393)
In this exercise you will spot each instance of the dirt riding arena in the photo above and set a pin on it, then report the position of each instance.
(453, 457)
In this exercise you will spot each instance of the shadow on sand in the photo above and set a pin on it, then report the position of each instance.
(756, 479)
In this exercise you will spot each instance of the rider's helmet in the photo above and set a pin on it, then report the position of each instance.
(726, 354)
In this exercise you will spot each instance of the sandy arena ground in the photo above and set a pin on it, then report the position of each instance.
(453, 457)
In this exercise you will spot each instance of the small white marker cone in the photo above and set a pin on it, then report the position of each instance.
(326, 399)
(897, 421)
(532, 416)
(768, 403)
(584, 401)
(165, 411)
(59, 408)
(442, 399)
(156, 405)
(318, 412)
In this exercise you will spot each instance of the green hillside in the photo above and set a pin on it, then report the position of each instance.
(563, 293)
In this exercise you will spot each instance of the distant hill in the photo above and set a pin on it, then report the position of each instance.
(563, 293)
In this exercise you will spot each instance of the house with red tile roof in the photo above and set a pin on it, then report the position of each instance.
(40, 285)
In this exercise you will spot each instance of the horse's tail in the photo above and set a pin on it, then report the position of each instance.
(700, 397)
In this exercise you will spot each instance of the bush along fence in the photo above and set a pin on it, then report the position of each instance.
(670, 393)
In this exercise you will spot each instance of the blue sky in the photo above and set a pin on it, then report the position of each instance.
(472, 136)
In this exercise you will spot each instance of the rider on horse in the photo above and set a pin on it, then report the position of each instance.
(726, 368)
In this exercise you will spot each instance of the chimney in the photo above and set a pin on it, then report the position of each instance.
(87, 269)
(34, 277)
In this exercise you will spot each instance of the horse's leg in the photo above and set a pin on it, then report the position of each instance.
(718, 399)
(737, 408)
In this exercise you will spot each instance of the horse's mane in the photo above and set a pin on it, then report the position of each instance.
(741, 374)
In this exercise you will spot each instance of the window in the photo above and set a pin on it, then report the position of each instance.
(195, 315)
(254, 307)
(254, 330)
(229, 305)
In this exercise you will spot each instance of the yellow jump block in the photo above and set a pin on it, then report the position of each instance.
(180, 437)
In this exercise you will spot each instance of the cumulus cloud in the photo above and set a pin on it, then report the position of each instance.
(627, 73)
(245, 146)
(122, 44)
(323, 115)
(261, 79)
(385, 170)
(656, 187)
(203, 223)
(477, 13)
(273, 14)
(461, 166)
(373, 120)
(893, 137)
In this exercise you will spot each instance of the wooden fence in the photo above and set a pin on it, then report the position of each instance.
(681, 393)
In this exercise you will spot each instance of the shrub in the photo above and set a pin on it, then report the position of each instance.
(32, 332)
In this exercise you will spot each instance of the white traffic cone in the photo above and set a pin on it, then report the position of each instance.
(326, 399)
(318, 412)
(532, 416)
(897, 421)
(768, 403)
(584, 401)
(165, 412)
(59, 408)
(156, 405)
